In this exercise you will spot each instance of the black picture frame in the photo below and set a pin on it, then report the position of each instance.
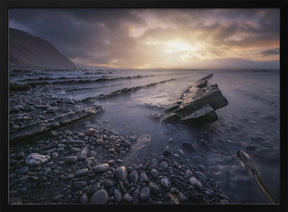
(6, 5)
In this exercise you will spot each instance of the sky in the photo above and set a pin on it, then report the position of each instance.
(158, 38)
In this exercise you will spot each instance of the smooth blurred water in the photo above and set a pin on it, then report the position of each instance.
(250, 122)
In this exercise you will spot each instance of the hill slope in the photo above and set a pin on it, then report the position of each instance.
(27, 50)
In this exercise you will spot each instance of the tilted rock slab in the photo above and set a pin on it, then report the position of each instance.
(197, 104)
(42, 127)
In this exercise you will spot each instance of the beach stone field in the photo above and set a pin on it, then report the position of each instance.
(86, 163)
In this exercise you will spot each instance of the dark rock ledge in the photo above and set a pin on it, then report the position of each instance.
(197, 105)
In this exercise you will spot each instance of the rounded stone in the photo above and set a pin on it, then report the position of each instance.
(121, 173)
(133, 177)
(101, 167)
(100, 197)
(71, 159)
(79, 184)
(182, 197)
(144, 193)
(24, 169)
(154, 173)
(84, 198)
(81, 172)
(163, 165)
(165, 182)
(36, 159)
(117, 195)
(127, 198)
(195, 182)
(154, 187)
(143, 177)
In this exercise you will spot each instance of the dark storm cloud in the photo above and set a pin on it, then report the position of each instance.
(78, 32)
(271, 52)
(101, 36)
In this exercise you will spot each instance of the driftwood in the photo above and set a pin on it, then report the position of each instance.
(42, 127)
(197, 104)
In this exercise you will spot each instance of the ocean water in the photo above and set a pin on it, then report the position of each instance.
(250, 122)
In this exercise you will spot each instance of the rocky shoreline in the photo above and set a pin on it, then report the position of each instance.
(86, 164)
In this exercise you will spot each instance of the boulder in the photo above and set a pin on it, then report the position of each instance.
(196, 105)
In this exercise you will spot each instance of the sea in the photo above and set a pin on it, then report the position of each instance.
(249, 123)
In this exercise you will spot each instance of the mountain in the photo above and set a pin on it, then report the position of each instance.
(28, 50)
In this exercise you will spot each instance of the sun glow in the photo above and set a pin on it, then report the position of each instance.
(176, 46)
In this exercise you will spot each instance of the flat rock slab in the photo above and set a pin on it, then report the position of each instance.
(197, 105)
(48, 125)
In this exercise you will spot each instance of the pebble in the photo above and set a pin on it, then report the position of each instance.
(36, 159)
(135, 195)
(144, 193)
(71, 159)
(81, 172)
(79, 184)
(133, 177)
(182, 197)
(127, 198)
(84, 198)
(117, 195)
(163, 165)
(143, 177)
(21, 154)
(101, 167)
(121, 173)
(154, 188)
(188, 173)
(24, 169)
(165, 182)
(195, 182)
(154, 173)
(100, 197)
(109, 182)
(163, 179)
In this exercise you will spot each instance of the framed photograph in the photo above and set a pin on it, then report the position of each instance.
(144, 105)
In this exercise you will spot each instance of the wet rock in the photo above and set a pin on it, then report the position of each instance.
(36, 159)
(21, 154)
(79, 184)
(182, 197)
(84, 198)
(197, 104)
(144, 193)
(100, 197)
(188, 173)
(117, 195)
(135, 195)
(127, 198)
(81, 172)
(109, 182)
(188, 148)
(71, 159)
(154, 188)
(203, 115)
(23, 169)
(121, 173)
(55, 154)
(195, 182)
(154, 173)
(101, 167)
(133, 177)
(164, 181)
(163, 165)
(143, 177)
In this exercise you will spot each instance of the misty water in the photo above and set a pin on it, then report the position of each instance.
(250, 122)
